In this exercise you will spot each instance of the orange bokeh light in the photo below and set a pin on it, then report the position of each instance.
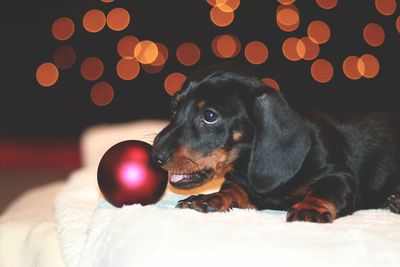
(146, 52)
(373, 34)
(128, 69)
(126, 46)
(290, 48)
(92, 68)
(102, 93)
(386, 7)
(398, 24)
(226, 46)
(162, 57)
(286, 2)
(118, 19)
(287, 17)
(227, 5)
(368, 66)
(64, 57)
(256, 52)
(173, 82)
(318, 31)
(322, 70)
(150, 68)
(271, 83)
(326, 4)
(63, 28)
(350, 68)
(107, 1)
(188, 54)
(307, 49)
(47, 74)
(94, 20)
(220, 17)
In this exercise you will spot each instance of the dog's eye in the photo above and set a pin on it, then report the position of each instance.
(210, 117)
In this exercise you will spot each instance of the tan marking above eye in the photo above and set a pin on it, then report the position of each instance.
(201, 103)
(237, 136)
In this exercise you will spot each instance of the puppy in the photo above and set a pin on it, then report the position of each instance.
(316, 166)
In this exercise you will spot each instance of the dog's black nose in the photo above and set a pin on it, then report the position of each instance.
(161, 157)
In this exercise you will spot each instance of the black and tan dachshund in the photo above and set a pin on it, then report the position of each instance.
(316, 166)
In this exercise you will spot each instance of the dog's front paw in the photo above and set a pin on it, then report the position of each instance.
(208, 203)
(312, 210)
(394, 203)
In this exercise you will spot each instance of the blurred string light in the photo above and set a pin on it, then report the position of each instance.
(327, 4)
(226, 46)
(47, 74)
(222, 12)
(188, 54)
(173, 83)
(92, 68)
(63, 28)
(150, 56)
(64, 57)
(373, 34)
(102, 93)
(386, 7)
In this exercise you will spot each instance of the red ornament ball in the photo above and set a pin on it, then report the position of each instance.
(126, 175)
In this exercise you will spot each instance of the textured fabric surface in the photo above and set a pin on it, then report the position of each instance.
(94, 233)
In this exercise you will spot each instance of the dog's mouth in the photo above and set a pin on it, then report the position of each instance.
(190, 180)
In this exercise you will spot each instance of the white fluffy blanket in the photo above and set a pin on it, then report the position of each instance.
(94, 233)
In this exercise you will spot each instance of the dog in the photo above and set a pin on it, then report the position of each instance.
(318, 167)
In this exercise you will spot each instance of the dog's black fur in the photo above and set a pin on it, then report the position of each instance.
(315, 165)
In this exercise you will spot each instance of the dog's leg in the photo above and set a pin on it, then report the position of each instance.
(327, 198)
(229, 196)
(394, 203)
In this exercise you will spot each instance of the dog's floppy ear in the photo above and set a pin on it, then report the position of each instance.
(281, 142)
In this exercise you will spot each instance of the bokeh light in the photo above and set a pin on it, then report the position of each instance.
(256, 52)
(226, 46)
(126, 46)
(188, 54)
(368, 66)
(386, 7)
(398, 24)
(307, 49)
(326, 4)
(107, 1)
(271, 83)
(118, 19)
(373, 34)
(94, 20)
(64, 57)
(322, 70)
(162, 56)
(221, 18)
(350, 68)
(128, 69)
(102, 93)
(286, 2)
(92, 68)
(290, 48)
(47, 74)
(63, 28)
(318, 31)
(287, 17)
(227, 5)
(173, 82)
(151, 69)
(146, 52)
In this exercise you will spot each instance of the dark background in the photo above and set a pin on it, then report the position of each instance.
(61, 112)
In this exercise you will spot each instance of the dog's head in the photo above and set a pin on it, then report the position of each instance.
(221, 117)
